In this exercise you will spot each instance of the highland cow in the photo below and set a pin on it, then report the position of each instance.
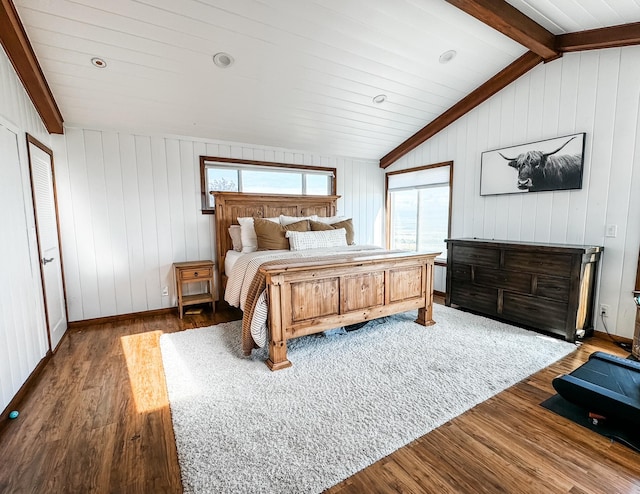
(543, 171)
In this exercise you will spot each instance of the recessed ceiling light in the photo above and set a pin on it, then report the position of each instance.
(223, 60)
(447, 56)
(381, 98)
(98, 62)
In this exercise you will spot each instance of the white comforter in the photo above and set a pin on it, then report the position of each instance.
(246, 267)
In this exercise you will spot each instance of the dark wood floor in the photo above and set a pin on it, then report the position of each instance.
(98, 421)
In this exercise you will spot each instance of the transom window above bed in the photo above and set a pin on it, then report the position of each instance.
(262, 177)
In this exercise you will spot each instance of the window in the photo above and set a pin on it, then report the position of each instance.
(419, 208)
(262, 177)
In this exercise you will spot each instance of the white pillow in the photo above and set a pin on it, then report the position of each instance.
(317, 239)
(248, 233)
(288, 220)
(330, 220)
(236, 237)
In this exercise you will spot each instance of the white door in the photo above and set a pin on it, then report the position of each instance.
(42, 179)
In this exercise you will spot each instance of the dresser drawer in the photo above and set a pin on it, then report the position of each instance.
(554, 288)
(476, 298)
(538, 262)
(195, 274)
(478, 256)
(460, 272)
(500, 278)
(537, 312)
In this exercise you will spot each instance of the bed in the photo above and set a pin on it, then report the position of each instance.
(312, 293)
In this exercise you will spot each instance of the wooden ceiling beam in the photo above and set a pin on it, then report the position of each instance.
(593, 39)
(19, 50)
(508, 20)
(543, 46)
(502, 79)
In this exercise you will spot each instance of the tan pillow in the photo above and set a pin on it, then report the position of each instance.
(318, 226)
(287, 220)
(330, 220)
(236, 237)
(248, 233)
(271, 236)
(346, 224)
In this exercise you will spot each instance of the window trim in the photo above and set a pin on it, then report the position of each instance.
(411, 170)
(206, 209)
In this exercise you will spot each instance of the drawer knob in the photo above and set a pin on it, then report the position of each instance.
(195, 274)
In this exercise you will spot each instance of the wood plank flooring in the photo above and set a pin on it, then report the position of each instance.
(98, 421)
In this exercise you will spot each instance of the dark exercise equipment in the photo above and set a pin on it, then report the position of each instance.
(606, 386)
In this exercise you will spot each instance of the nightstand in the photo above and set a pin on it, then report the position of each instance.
(194, 272)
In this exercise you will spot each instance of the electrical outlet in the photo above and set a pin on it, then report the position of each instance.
(165, 291)
(604, 310)
(611, 231)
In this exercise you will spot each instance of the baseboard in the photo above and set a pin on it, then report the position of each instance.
(120, 317)
(31, 381)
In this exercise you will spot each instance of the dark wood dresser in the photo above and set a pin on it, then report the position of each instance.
(549, 287)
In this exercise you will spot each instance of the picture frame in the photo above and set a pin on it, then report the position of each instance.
(546, 165)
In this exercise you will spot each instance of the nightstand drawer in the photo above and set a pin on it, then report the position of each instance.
(195, 274)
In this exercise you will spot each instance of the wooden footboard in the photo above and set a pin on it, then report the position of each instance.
(307, 298)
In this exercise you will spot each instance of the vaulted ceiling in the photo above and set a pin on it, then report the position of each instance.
(305, 73)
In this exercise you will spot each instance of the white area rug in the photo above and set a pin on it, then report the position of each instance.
(348, 400)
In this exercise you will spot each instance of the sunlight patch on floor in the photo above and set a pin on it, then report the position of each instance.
(146, 375)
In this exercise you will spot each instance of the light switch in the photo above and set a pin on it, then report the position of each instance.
(612, 231)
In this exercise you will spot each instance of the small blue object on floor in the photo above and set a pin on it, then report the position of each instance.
(14, 414)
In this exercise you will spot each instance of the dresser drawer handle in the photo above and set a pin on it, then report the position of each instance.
(195, 274)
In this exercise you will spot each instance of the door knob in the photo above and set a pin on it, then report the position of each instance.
(45, 260)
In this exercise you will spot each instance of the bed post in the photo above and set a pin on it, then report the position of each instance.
(277, 340)
(425, 314)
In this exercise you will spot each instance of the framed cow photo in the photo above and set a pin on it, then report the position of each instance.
(552, 164)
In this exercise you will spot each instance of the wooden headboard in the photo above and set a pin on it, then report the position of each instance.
(232, 205)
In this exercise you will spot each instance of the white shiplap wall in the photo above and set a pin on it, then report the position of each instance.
(597, 92)
(130, 208)
(23, 341)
